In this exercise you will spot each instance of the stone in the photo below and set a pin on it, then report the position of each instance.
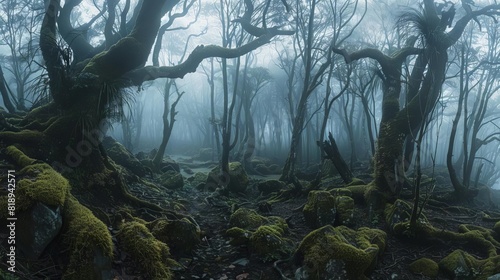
(37, 227)
(172, 180)
(426, 267)
(236, 181)
(119, 154)
(182, 236)
(320, 209)
(345, 210)
(269, 186)
(339, 251)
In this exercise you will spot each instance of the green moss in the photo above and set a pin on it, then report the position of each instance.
(151, 254)
(236, 181)
(89, 242)
(182, 236)
(238, 236)
(172, 180)
(246, 219)
(459, 265)
(356, 182)
(109, 65)
(345, 210)
(267, 241)
(496, 227)
(353, 249)
(426, 267)
(268, 244)
(23, 136)
(19, 157)
(320, 209)
(43, 184)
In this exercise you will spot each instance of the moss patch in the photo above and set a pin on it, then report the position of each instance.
(151, 254)
(356, 251)
(182, 236)
(264, 236)
(268, 244)
(247, 219)
(426, 267)
(320, 209)
(19, 157)
(89, 241)
(43, 184)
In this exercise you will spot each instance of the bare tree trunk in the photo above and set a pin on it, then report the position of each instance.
(332, 153)
(5, 94)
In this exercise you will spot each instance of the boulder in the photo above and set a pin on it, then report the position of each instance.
(269, 186)
(182, 235)
(236, 181)
(172, 180)
(264, 236)
(119, 154)
(37, 227)
(320, 209)
(340, 252)
(345, 210)
(425, 267)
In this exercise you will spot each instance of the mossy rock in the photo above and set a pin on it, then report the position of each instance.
(118, 153)
(39, 183)
(320, 209)
(459, 265)
(269, 186)
(238, 236)
(353, 253)
(345, 210)
(262, 235)
(172, 180)
(89, 241)
(247, 219)
(182, 236)
(236, 181)
(268, 244)
(425, 267)
(151, 254)
(197, 178)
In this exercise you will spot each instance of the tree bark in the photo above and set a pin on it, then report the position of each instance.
(332, 153)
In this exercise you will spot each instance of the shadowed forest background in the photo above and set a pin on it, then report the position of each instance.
(256, 139)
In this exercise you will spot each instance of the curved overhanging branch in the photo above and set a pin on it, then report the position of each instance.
(458, 29)
(149, 73)
(133, 50)
(386, 62)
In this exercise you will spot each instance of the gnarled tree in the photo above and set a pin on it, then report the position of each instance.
(86, 87)
(425, 82)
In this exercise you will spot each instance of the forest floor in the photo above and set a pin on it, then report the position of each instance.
(216, 259)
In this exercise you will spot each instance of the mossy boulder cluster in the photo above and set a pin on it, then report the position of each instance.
(322, 208)
(151, 254)
(340, 252)
(264, 236)
(87, 238)
(236, 181)
(119, 154)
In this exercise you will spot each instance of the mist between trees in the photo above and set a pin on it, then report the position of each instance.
(268, 78)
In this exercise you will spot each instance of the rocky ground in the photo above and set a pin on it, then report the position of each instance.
(265, 233)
